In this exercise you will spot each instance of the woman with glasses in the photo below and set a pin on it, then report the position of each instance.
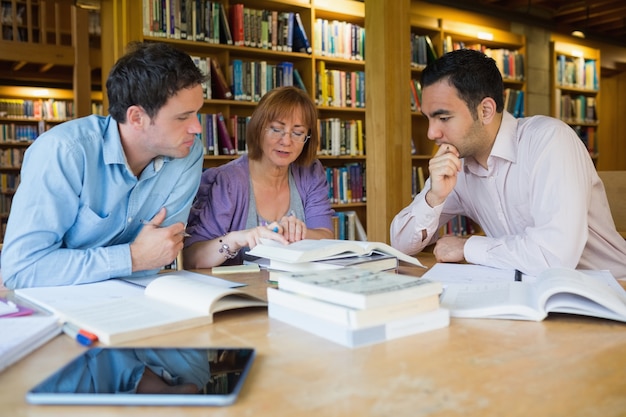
(277, 191)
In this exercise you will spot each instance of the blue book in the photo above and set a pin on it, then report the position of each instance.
(300, 40)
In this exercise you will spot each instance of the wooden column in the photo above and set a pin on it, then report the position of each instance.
(388, 116)
(120, 25)
(82, 67)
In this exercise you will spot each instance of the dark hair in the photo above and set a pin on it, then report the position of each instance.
(473, 74)
(274, 105)
(147, 76)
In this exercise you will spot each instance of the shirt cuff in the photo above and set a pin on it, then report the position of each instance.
(476, 250)
(120, 262)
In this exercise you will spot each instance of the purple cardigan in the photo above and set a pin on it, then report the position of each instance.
(222, 202)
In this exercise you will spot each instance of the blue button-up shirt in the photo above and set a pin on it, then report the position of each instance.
(79, 206)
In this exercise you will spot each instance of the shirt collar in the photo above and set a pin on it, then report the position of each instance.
(504, 147)
(113, 151)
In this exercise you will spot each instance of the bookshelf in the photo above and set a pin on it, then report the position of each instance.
(332, 72)
(25, 113)
(575, 89)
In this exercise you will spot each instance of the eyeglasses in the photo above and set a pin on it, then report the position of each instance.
(276, 133)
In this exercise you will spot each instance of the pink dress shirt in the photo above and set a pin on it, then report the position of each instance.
(540, 204)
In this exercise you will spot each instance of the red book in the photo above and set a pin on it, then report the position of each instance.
(219, 85)
(236, 23)
(224, 138)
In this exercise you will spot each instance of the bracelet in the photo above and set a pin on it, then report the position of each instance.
(225, 250)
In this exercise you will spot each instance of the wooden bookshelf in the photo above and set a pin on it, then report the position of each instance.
(308, 65)
(575, 90)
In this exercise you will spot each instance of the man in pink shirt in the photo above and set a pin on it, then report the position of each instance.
(529, 183)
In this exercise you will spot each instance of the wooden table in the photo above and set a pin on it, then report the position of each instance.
(563, 366)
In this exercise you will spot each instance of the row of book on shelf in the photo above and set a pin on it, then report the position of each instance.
(49, 109)
(346, 183)
(587, 135)
(423, 52)
(510, 62)
(10, 132)
(241, 25)
(222, 135)
(576, 72)
(337, 88)
(250, 80)
(514, 101)
(5, 208)
(12, 157)
(575, 108)
(9, 182)
(348, 226)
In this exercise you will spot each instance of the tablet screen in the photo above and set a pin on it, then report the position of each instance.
(148, 376)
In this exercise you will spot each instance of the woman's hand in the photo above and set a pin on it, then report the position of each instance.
(292, 228)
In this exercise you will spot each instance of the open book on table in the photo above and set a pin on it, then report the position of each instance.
(377, 261)
(309, 250)
(475, 291)
(118, 311)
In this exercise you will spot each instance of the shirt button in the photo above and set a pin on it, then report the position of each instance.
(130, 220)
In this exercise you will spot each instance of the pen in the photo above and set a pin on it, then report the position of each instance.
(147, 222)
(518, 275)
(83, 337)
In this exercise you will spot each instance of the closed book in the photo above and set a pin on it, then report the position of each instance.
(219, 85)
(224, 139)
(358, 288)
(226, 35)
(117, 311)
(353, 338)
(300, 39)
(351, 317)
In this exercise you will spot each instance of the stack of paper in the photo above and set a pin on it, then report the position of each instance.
(20, 336)
(355, 307)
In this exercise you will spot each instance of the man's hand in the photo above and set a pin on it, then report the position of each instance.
(450, 249)
(156, 246)
(443, 168)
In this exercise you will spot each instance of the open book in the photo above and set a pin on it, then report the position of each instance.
(482, 292)
(309, 250)
(375, 262)
(118, 311)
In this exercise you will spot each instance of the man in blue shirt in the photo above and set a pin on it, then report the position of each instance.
(106, 197)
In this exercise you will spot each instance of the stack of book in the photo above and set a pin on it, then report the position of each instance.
(354, 307)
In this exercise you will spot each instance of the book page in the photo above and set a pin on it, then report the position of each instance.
(506, 300)
(194, 293)
(308, 250)
(77, 296)
(120, 320)
(449, 273)
(594, 294)
(217, 282)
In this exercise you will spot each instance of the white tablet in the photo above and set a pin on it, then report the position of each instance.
(148, 376)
